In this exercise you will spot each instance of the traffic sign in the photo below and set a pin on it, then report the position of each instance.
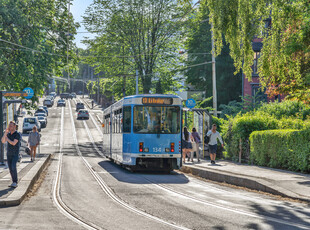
(190, 103)
(29, 92)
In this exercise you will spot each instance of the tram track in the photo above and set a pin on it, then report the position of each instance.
(201, 201)
(62, 207)
(109, 192)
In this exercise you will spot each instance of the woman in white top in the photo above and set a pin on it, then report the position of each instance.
(213, 137)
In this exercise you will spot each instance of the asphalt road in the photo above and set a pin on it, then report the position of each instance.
(81, 189)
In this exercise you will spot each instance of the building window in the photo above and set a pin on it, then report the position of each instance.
(255, 64)
(258, 95)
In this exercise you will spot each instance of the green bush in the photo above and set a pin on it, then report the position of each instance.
(285, 109)
(241, 127)
(285, 149)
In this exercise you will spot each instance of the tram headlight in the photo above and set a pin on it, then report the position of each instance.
(167, 150)
(146, 150)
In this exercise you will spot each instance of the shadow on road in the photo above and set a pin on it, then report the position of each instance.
(126, 176)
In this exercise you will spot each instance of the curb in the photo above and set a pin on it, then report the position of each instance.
(242, 181)
(25, 184)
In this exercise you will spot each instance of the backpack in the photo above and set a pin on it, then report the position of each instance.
(207, 139)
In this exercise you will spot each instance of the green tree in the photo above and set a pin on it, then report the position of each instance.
(284, 64)
(33, 44)
(136, 35)
(198, 46)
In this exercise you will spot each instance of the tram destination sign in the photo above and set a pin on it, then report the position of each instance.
(157, 101)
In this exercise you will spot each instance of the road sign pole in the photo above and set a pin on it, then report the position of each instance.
(1, 130)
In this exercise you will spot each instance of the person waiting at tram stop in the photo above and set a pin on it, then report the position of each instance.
(12, 137)
(33, 142)
(186, 143)
(195, 138)
(213, 137)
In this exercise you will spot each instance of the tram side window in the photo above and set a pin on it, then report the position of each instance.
(126, 119)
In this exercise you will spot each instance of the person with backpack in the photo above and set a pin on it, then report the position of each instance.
(212, 137)
(195, 143)
(186, 143)
(33, 142)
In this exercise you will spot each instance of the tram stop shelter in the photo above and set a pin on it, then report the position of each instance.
(201, 119)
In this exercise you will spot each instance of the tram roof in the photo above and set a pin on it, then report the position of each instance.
(152, 95)
(132, 97)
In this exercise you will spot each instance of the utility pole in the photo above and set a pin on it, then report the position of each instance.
(137, 81)
(124, 87)
(68, 44)
(1, 130)
(213, 75)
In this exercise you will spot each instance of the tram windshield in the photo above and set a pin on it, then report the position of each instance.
(156, 119)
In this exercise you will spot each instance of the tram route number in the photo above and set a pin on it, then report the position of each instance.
(157, 150)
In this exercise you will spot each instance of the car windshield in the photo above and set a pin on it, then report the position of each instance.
(156, 119)
(30, 120)
(61, 101)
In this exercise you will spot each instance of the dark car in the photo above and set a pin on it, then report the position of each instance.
(73, 95)
(79, 106)
(65, 96)
(61, 102)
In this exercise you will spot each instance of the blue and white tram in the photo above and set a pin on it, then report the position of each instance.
(144, 132)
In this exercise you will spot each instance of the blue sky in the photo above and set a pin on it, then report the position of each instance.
(78, 8)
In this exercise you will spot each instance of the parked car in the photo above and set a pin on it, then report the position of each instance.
(45, 109)
(29, 122)
(73, 95)
(80, 93)
(83, 114)
(48, 102)
(43, 121)
(61, 102)
(79, 106)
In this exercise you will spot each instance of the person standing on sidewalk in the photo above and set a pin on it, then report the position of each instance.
(195, 142)
(186, 143)
(33, 142)
(213, 137)
(12, 137)
(92, 104)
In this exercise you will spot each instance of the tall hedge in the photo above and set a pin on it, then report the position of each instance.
(285, 149)
(241, 127)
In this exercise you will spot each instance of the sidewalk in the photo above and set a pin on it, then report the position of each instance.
(279, 182)
(28, 173)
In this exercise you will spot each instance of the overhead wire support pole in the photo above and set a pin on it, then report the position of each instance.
(137, 82)
(68, 45)
(214, 93)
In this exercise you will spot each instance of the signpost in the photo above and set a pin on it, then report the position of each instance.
(190, 103)
(26, 93)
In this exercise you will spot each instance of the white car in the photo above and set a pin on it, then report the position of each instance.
(29, 122)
